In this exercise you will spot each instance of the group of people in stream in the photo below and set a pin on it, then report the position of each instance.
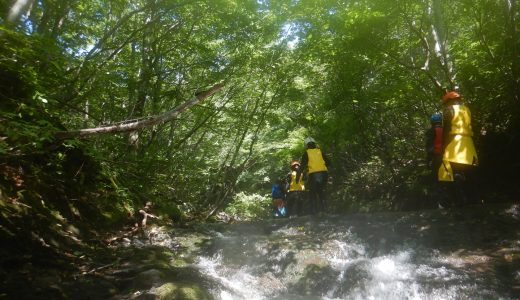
(451, 157)
(451, 153)
(302, 190)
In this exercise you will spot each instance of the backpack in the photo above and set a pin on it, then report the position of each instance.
(276, 191)
(437, 142)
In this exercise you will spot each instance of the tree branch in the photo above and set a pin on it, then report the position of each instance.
(153, 120)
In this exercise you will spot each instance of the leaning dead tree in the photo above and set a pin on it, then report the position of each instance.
(139, 124)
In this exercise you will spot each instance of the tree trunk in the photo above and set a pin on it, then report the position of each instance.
(18, 8)
(441, 48)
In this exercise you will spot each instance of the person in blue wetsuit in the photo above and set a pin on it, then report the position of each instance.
(278, 199)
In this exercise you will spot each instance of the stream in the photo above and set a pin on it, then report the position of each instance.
(469, 252)
(466, 253)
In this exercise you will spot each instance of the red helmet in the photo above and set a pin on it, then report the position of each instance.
(294, 163)
(450, 96)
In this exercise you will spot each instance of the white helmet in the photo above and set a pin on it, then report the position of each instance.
(308, 140)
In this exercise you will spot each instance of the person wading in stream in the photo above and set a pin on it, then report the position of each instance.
(459, 155)
(295, 190)
(434, 136)
(278, 198)
(314, 167)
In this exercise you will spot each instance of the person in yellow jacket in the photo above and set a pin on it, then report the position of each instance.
(459, 154)
(295, 190)
(314, 165)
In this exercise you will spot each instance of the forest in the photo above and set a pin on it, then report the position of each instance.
(197, 106)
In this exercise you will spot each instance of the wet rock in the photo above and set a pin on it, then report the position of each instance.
(354, 278)
(167, 291)
(316, 280)
(180, 291)
(149, 278)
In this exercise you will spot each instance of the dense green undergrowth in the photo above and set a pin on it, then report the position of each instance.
(53, 196)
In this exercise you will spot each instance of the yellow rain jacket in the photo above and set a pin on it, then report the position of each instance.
(295, 186)
(316, 162)
(460, 148)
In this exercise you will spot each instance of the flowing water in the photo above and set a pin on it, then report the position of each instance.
(466, 253)
(426, 255)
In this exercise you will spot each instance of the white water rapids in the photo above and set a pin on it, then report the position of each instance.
(431, 255)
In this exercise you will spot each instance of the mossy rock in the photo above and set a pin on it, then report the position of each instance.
(181, 291)
(148, 278)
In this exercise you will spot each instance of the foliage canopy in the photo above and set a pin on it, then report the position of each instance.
(362, 77)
